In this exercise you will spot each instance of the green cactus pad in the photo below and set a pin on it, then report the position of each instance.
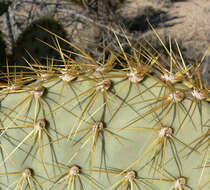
(90, 126)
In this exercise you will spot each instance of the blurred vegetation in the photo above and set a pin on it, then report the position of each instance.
(4, 4)
(111, 5)
(2, 54)
(30, 40)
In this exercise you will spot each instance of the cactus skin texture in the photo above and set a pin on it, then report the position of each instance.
(85, 125)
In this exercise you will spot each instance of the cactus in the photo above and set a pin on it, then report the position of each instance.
(87, 125)
(28, 47)
(4, 6)
(2, 54)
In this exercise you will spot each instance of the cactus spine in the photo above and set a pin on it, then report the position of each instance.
(87, 125)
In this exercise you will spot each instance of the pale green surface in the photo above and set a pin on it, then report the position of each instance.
(118, 154)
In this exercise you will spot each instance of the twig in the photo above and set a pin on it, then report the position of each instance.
(88, 19)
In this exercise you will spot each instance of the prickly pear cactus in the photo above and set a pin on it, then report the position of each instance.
(28, 47)
(2, 53)
(87, 125)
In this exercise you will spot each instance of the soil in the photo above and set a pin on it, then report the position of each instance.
(186, 20)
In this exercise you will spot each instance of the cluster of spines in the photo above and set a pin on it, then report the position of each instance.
(35, 110)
